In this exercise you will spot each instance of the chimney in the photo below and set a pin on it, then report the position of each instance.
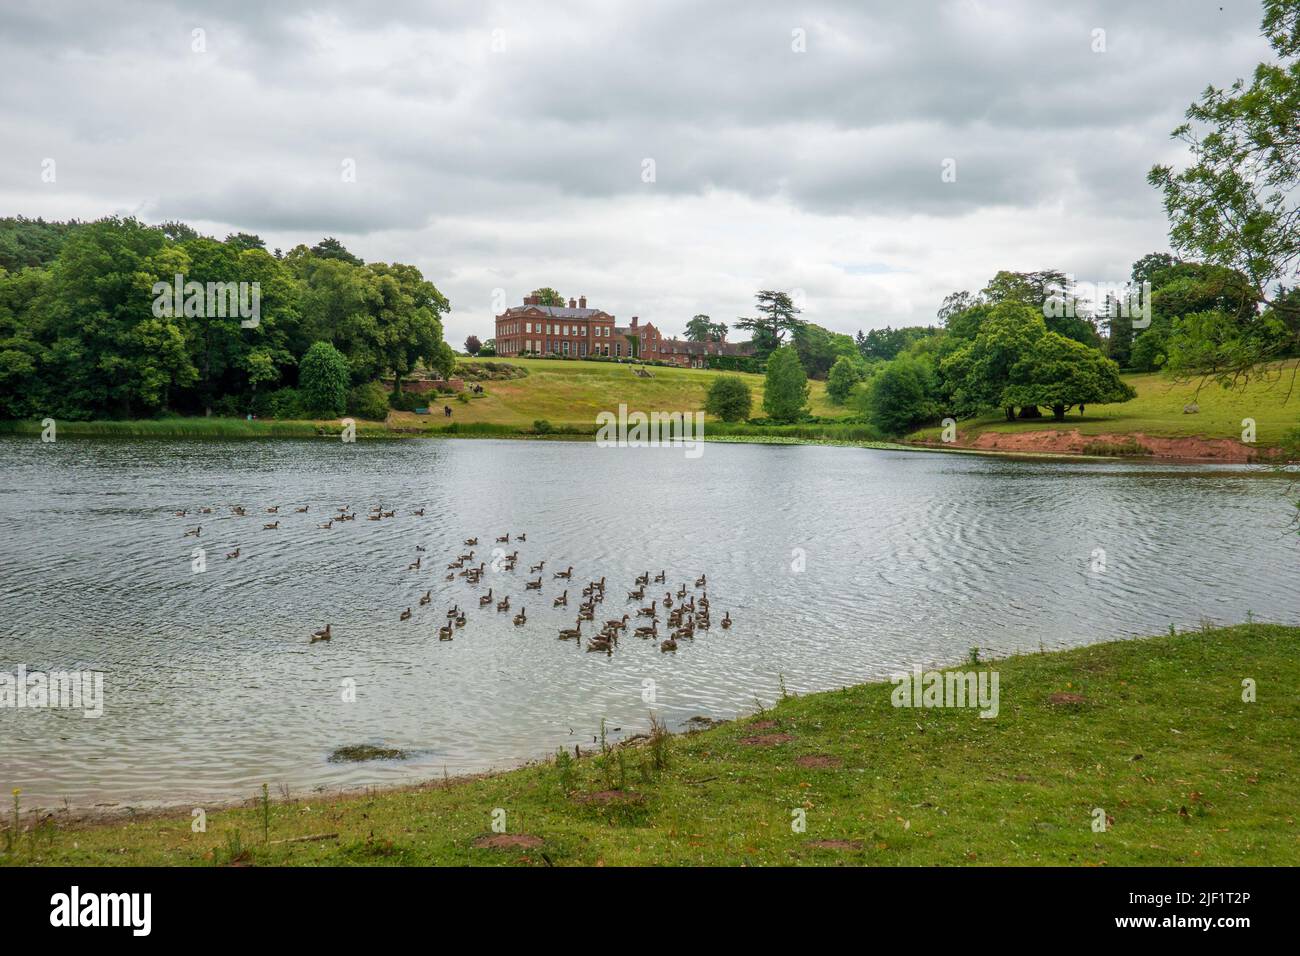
(582, 302)
(530, 300)
(634, 321)
(572, 303)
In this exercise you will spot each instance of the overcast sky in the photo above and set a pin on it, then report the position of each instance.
(504, 146)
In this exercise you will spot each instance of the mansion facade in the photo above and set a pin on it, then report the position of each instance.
(579, 332)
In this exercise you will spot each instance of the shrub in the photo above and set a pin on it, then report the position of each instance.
(283, 403)
(842, 378)
(408, 401)
(369, 401)
(729, 399)
(542, 427)
(323, 377)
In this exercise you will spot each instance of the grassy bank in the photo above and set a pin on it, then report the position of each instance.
(1156, 735)
(1158, 411)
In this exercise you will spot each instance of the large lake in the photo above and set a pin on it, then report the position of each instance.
(212, 687)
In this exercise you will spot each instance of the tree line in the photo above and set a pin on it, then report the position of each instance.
(82, 335)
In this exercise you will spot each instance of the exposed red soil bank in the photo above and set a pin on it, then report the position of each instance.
(1071, 442)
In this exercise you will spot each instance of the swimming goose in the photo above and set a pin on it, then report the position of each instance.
(522, 537)
(455, 609)
(668, 645)
(444, 633)
(193, 532)
(486, 599)
(619, 623)
(642, 579)
(327, 525)
(406, 615)
(650, 611)
(181, 514)
(637, 595)
(471, 541)
(323, 635)
(564, 574)
(460, 619)
(522, 617)
(426, 598)
(504, 603)
(651, 631)
(419, 513)
(700, 581)
(533, 585)
(659, 578)
(272, 511)
(561, 601)
(534, 568)
(504, 539)
(415, 565)
(232, 554)
(272, 526)
(726, 620)
(572, 633)
(302, 510)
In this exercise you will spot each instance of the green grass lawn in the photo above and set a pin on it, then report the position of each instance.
(575, 392)
(1160, 741)
(1158, 410)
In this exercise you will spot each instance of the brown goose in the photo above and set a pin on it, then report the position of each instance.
(322, 635)
(561, 601)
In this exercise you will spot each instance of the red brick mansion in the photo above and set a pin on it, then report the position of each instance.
(577, 331)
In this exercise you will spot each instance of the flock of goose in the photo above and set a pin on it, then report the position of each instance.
(684, 611)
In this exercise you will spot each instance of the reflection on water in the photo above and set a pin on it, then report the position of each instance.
(212, 687)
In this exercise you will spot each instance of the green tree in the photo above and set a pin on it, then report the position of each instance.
(980, 371)
(902, 395)
(1060, 373)
(729, 398)
(331, 248)
(785, 389)
(323, 380)
(777, 316)
(407, 319)
(844, 376)
(699, 329)
(548, 296)
(1237, 203)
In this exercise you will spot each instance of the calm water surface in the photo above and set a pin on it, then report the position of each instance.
(213, 689)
